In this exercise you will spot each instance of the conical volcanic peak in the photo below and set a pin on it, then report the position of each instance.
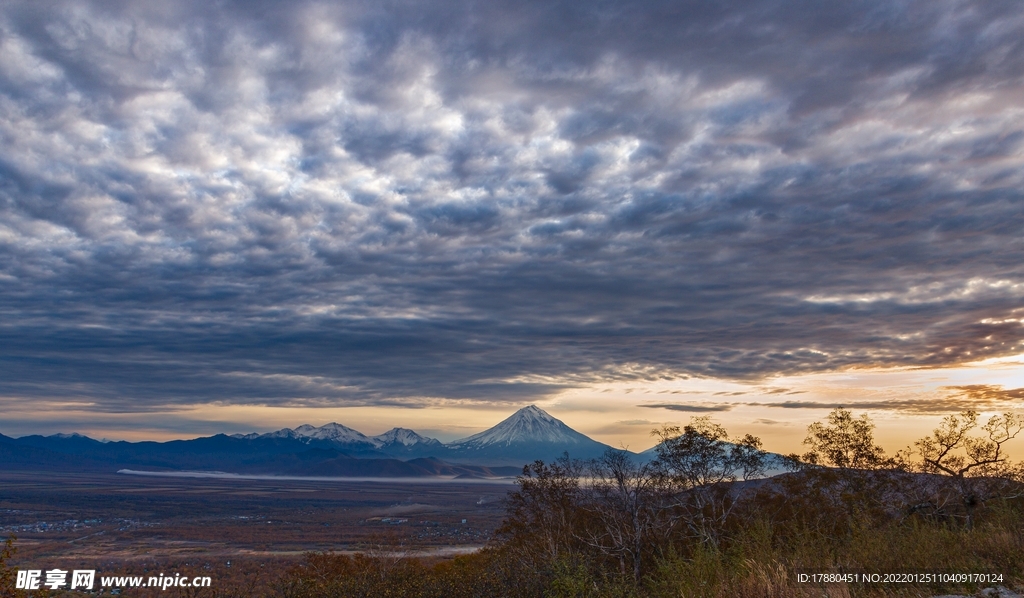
(529, 425)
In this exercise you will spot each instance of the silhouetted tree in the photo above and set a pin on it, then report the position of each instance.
(630, 512)
(544, 518)
(972, 460)
(703, 465)
(845, 442)
(846, 470)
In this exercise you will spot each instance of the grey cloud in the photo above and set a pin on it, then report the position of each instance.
(364, 203)
(689, 407)
(166, 422)
(985, 395)
(956, 398)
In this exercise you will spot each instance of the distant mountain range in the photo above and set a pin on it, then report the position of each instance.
(394, 442)
(527, 435)
(329, 450)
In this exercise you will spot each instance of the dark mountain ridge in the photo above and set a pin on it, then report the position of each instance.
(329, 450)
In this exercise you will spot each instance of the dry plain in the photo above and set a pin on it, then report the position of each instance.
(121, 523)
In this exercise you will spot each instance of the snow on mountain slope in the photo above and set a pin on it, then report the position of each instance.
(249, 436)
(526, 435)
(402, 437)
(337, 433)
(333, 432)
(528, 425)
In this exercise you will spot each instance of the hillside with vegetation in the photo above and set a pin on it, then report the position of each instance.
(700, 521)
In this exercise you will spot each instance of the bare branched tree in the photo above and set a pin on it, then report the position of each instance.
(972, 458)
(627, 502)
(386, 552)
(544, 512)
(703, 465)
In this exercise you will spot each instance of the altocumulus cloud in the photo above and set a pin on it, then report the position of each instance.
(350, 203)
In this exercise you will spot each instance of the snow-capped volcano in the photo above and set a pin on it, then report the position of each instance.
(528, 432)
(529, 424)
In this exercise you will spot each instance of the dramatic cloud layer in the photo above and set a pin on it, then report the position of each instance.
(397, 203)
(945, 399)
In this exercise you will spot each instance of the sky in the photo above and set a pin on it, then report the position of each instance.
(228, 216)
